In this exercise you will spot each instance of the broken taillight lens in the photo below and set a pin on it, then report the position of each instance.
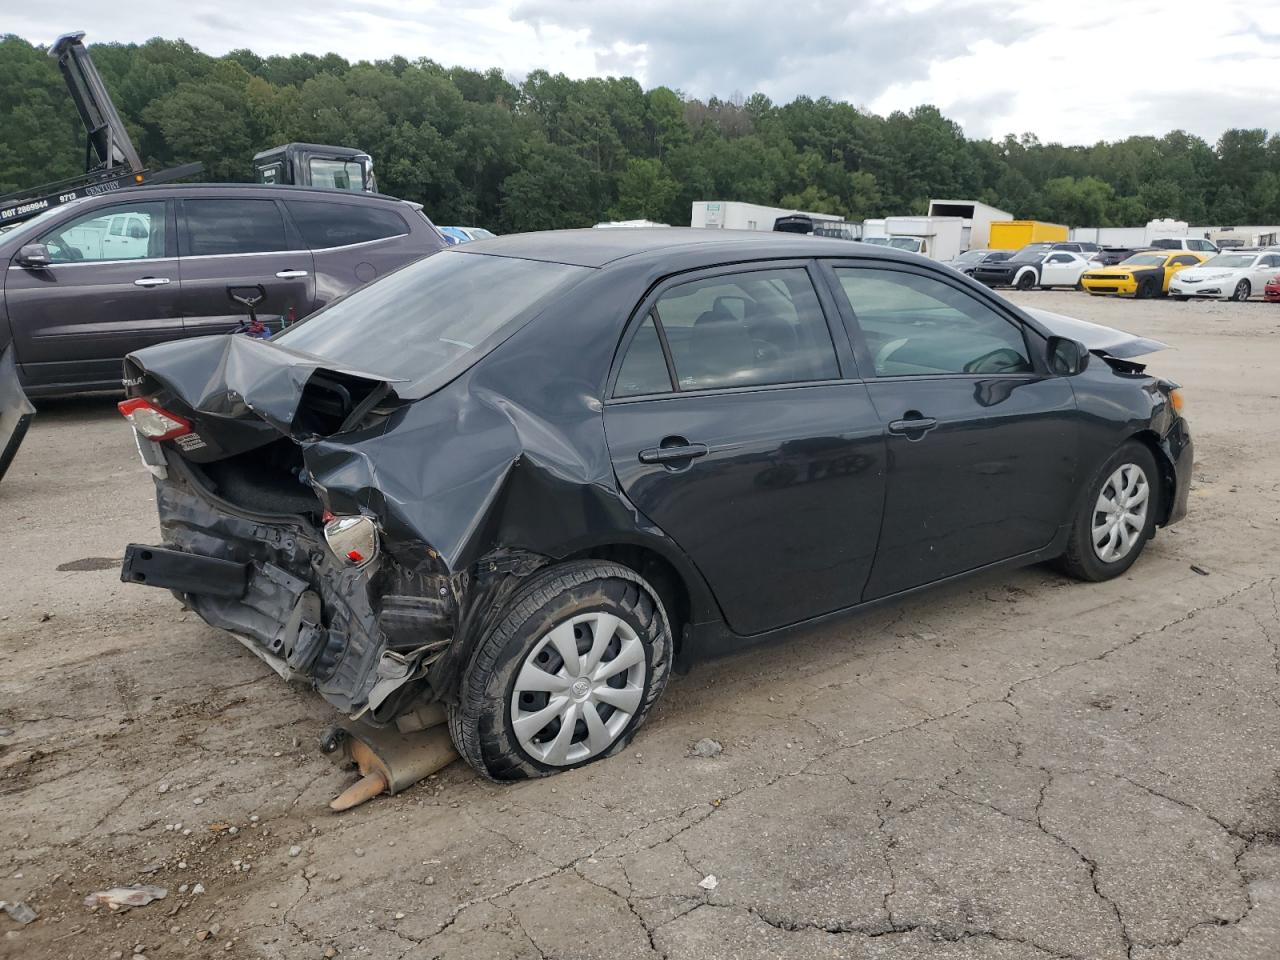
(152, 422)
(353, 539)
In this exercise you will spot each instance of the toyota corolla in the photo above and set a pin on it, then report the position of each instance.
(526, 476)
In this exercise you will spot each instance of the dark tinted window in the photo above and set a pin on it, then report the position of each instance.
(230, 225)
(747, 329)
(644, 369)
(338, 224)
(917, 326)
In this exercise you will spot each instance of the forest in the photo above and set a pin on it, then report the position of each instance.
(547, 151)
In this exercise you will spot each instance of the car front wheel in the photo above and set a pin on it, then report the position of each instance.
(566, 675)
(1116, 518)
(1025, 281)
(1241, 292)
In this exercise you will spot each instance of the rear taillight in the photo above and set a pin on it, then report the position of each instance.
(152, 422)
(353, 539)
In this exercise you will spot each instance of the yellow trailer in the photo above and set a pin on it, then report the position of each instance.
(1015, 234)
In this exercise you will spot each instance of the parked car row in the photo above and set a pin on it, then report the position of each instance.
(1178, 267)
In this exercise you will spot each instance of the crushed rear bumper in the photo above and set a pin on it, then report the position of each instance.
(273, 583)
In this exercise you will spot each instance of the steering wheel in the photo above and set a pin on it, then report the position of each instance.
(1004, 360)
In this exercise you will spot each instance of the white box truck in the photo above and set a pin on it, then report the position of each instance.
(939, 238)
(732, 215)
(977, 217)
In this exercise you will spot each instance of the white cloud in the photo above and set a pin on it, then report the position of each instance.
(1074, 70)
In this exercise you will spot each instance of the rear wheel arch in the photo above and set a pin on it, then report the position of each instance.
(683, 596)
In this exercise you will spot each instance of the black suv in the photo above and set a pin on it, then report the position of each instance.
(95, 279)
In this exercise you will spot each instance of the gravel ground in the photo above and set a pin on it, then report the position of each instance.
(1017, 767)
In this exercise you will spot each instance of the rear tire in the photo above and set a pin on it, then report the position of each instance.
(1116, 518)
(1241, 292)
(599, 614)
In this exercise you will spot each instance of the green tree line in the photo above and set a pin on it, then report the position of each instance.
(477, 148)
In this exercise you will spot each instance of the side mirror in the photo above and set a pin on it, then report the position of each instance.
(1067, 357)
(35, 256)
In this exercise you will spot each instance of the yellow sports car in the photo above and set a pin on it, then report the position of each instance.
(1143, 275)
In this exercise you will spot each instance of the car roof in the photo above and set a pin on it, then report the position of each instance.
(599, 248)
(212, 189)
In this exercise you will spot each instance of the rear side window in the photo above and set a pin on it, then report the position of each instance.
(339, 224)
(747, 329)
(644, 368)
(224, 226)
(917, 326)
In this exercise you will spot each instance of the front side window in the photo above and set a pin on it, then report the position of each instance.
(747, 329)
(336, 174)
(229, 225)
(340, 224)
(129, 232)
(917, 326)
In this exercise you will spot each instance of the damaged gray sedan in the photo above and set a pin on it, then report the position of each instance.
(525, 477)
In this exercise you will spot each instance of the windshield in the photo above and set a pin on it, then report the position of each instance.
(438, 315)
(905, 243)
(1146, 260)
(1232, 261)
(1027, 256)
(878, 241)
(971, 256)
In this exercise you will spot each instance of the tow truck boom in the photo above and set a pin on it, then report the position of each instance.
(111, 160)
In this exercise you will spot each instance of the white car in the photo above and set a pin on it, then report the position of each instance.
(1034, 268)
(1227, 276)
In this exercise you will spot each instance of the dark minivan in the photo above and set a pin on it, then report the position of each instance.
(95, 279)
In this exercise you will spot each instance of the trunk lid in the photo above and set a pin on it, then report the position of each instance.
(241, 394)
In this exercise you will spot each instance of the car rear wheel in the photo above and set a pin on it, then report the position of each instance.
(1241, 291)
(1116, 517)
(1026, 280)
(566, 675)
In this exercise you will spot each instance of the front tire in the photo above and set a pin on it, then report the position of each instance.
(1241, 292)
(566, 675)
(1025, 280)
(1116, 518)
(1146, 289)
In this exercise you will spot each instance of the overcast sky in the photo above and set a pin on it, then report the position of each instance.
(1073, 71)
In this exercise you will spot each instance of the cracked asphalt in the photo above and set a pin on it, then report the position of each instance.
(1016, 768)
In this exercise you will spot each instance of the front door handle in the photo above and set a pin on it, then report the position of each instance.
(673, 450)
(291, 274)
(914, 425)
(151, 281)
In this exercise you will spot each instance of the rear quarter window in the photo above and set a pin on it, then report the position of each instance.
(341, 224)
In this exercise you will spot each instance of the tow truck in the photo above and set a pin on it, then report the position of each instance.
(111, 160)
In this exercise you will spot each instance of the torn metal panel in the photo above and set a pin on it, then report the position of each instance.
(1095, 336)
(16, 410)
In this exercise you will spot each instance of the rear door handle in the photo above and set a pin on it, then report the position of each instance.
(150, 281)
(291, 274)
(913, 424)
(673, 453)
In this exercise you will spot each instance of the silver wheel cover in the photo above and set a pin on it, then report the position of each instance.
(577, 689)
(1120, 514)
